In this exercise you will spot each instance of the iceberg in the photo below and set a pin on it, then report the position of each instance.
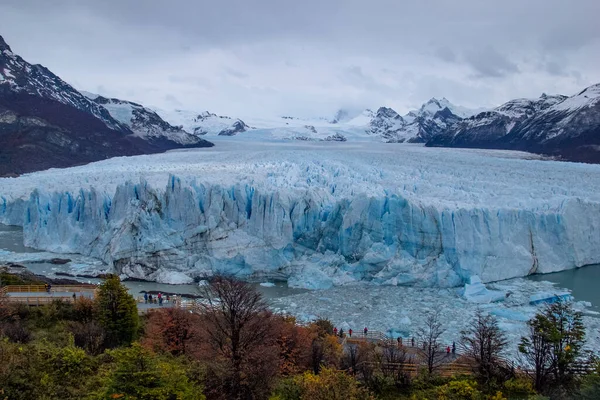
(317, 216)
(549, 298)
(476, 292)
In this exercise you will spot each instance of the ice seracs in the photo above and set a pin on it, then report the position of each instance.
(317, 214)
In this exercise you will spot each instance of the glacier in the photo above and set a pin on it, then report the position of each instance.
(316, 214)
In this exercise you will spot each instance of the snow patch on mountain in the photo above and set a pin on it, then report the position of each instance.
(142, 121)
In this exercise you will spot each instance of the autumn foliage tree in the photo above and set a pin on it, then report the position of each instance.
(242, 337)
(328, 385)
(173, 330)
(294, 342)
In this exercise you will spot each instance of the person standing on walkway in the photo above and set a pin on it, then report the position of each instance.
(453, 348)
(366, 331)
(412, 342)
(350, 332)
(74, 297)
(146, 297)
(160, 299)
(448, 350)
(399, 341)
(334, 331)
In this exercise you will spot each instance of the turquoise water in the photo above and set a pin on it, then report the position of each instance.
(584, 282)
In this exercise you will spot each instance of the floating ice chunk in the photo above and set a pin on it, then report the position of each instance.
(310, 278)
(549, 298)
(267, 284)
(172, 277)
(476, 292)
(510, 314)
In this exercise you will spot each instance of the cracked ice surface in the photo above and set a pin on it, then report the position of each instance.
(402, 310)
(316, 214)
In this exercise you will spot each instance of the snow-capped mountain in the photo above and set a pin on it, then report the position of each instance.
(206, 123)
(23, 77)
(417, 126)
(46, 123)
(566, 127)
(143, 122)
(386, 123)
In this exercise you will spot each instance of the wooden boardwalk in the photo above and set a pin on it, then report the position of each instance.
(38, 295)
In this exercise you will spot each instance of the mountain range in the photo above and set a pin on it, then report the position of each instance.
(46, 123)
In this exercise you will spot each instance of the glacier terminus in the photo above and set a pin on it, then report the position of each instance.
(316, 214)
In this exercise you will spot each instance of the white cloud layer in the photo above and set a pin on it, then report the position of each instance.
(310, 57)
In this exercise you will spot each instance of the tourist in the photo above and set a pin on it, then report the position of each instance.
(146, 297)
(350, 332)
(46, 288)
(448, 350)
(49, 288)
(335, 331)
(74, 297)
(160, 299)
(366, 331)
(412, 342)
(167, 299)
(150, 298)
(453, 348)
(399, 341)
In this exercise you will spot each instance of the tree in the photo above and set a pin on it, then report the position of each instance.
(116, 312)
(590, 385)
(294, 344)
(139, 374)
(553, 346)
(240, 329)
(484, 343)
(328, 385)
(430, 334)
(172, 330)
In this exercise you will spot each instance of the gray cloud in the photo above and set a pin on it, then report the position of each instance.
(313, 56)
(488, 62)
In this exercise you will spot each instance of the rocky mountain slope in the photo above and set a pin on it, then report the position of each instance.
(143, 122)
(45, 122)
(417, 126)
(559, 126)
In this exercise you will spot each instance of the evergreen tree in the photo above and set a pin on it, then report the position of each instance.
(116, 312)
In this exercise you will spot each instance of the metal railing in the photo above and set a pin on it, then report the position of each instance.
(40, 300)
(53, 288)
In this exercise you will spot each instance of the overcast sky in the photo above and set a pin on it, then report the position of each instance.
(310, 57)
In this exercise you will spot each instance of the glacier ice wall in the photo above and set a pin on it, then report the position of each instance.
(310, 237)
